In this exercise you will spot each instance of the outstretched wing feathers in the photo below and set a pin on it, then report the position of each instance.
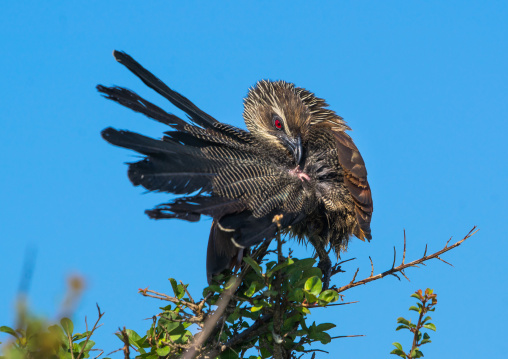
(224, 169)
(196, 206)
(136, 103)
(196, 115)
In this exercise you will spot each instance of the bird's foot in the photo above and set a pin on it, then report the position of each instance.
(326, 269)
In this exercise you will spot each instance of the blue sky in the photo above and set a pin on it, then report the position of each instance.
(423, 84)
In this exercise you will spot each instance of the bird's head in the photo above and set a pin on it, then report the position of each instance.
(281, 115)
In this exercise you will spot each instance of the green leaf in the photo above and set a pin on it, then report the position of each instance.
(256, 308)
(311, 272)
(251, 290)
(403, 321)
(278, 267)
(67, 326)
(163, 351)
(305, 310)
(402, 326)
(311, 298)
(296, 295)
(254, 265)
(323, 337)
(313, 285)
(430, 326)
(397, 345)
(58, 332)
(398, 352)
(76, 348)
(325, 326)
(168, 324)
(416, 353)
(178, 289)
(416, 309)
(270, 265)
(265, 352)
(89, 345)
(426, 339)
(212, 288)
(304, 263)
(329, 296)
(79, 336)
(174, 285)
(427, 318)
(9, 330)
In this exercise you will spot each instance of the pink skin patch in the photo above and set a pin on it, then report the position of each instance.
(301, 175)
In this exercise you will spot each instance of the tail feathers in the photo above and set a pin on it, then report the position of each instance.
(169, 167)
(234, 233)
(249, 230)
(136, 103)
(134, 141)
(164, 175)
(221, 252)
(191, 208)
(197, 116)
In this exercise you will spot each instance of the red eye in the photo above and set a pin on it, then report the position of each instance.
(277, 122)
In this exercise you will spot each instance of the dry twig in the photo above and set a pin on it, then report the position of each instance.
(403, 266)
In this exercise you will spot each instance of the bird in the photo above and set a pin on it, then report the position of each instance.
(294, 161)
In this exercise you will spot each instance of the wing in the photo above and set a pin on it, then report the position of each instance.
(356, 182)
(237, 184)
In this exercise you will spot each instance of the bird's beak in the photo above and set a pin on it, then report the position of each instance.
(294, 145)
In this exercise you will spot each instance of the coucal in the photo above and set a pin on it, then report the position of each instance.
(295, 160)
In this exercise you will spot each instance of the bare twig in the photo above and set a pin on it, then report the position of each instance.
(354, 277)
(312, 306)
(91, 332)
(69, 336)
(372, 266)
(153, 294)
(186, 291)
(404, 253)
(98, 355)
(126, 351)
(347, 260)
(314, 351)
(347, 336)
(401, 267)
(442, 260)
(278, 347)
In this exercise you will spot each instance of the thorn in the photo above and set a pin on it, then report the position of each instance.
(404, 253)
(442, 260)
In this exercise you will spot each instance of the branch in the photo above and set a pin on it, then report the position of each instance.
(254, 330)
(211, 320)
(126, 351)
(403, 266)
(91, 332)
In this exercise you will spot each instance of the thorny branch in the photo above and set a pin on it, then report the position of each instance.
(403, 265)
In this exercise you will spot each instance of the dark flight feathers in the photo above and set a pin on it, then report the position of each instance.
(239, 179)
